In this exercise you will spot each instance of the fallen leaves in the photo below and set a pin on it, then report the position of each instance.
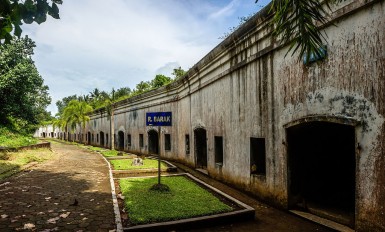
(65, 215)
(53, 220)
(29, 226)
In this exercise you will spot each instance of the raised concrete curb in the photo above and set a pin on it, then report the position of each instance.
(118, 221)
(246, 213)
(30, 147)
(325, 222)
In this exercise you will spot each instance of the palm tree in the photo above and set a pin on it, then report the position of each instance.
(61, 123)
(76, 113)
(296, 22)
(94, 95)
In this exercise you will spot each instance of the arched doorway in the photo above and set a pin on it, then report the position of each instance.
(43, 134)
(200, 141)
(101, 136)
(153, 142)
(322, 169)
(120, 140)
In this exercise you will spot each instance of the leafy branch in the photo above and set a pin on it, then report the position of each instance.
(296, 23)
(14, 12)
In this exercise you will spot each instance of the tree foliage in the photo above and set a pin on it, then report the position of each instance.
(76, 112)
(62, 104)
(99, 98)
(178, 73)
(23, 95)
(14, 12)
(296, 22)
(159, 81)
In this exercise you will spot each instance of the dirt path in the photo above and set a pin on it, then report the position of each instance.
(42, 199)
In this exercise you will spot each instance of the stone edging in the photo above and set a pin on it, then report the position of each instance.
(29, 147)
(118, 221)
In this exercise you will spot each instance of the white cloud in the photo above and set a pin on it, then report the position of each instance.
(117, 43)
(227, 10)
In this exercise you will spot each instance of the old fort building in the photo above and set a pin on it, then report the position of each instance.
(299, 135)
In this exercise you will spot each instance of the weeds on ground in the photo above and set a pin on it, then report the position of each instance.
(12, 162)
(9, 138)
(185, 199)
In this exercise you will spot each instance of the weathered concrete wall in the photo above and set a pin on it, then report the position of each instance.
(245, 87)
(349, 84)
(47, 132)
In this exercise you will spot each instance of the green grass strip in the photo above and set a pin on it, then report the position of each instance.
(185, 200)
(125, 164)
(109, 153)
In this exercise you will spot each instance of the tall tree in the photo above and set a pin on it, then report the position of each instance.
(14, 12)
(23, 94)
(95, 94)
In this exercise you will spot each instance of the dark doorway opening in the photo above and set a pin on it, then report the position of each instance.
(89, 138)
(101, 138)
(321, 159)
(121, 140)
(153, 142)
(44, 135)
(200, 138)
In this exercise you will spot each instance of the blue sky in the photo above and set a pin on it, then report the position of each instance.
(118, 43)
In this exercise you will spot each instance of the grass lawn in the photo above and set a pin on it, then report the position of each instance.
(105, 152)
(185, 200)
(109, 153)
(12, 162)
(125, 164)
(95, 148)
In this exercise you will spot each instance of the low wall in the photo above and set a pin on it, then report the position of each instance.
(29, 147)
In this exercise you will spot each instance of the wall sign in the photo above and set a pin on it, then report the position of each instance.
(159, 119)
